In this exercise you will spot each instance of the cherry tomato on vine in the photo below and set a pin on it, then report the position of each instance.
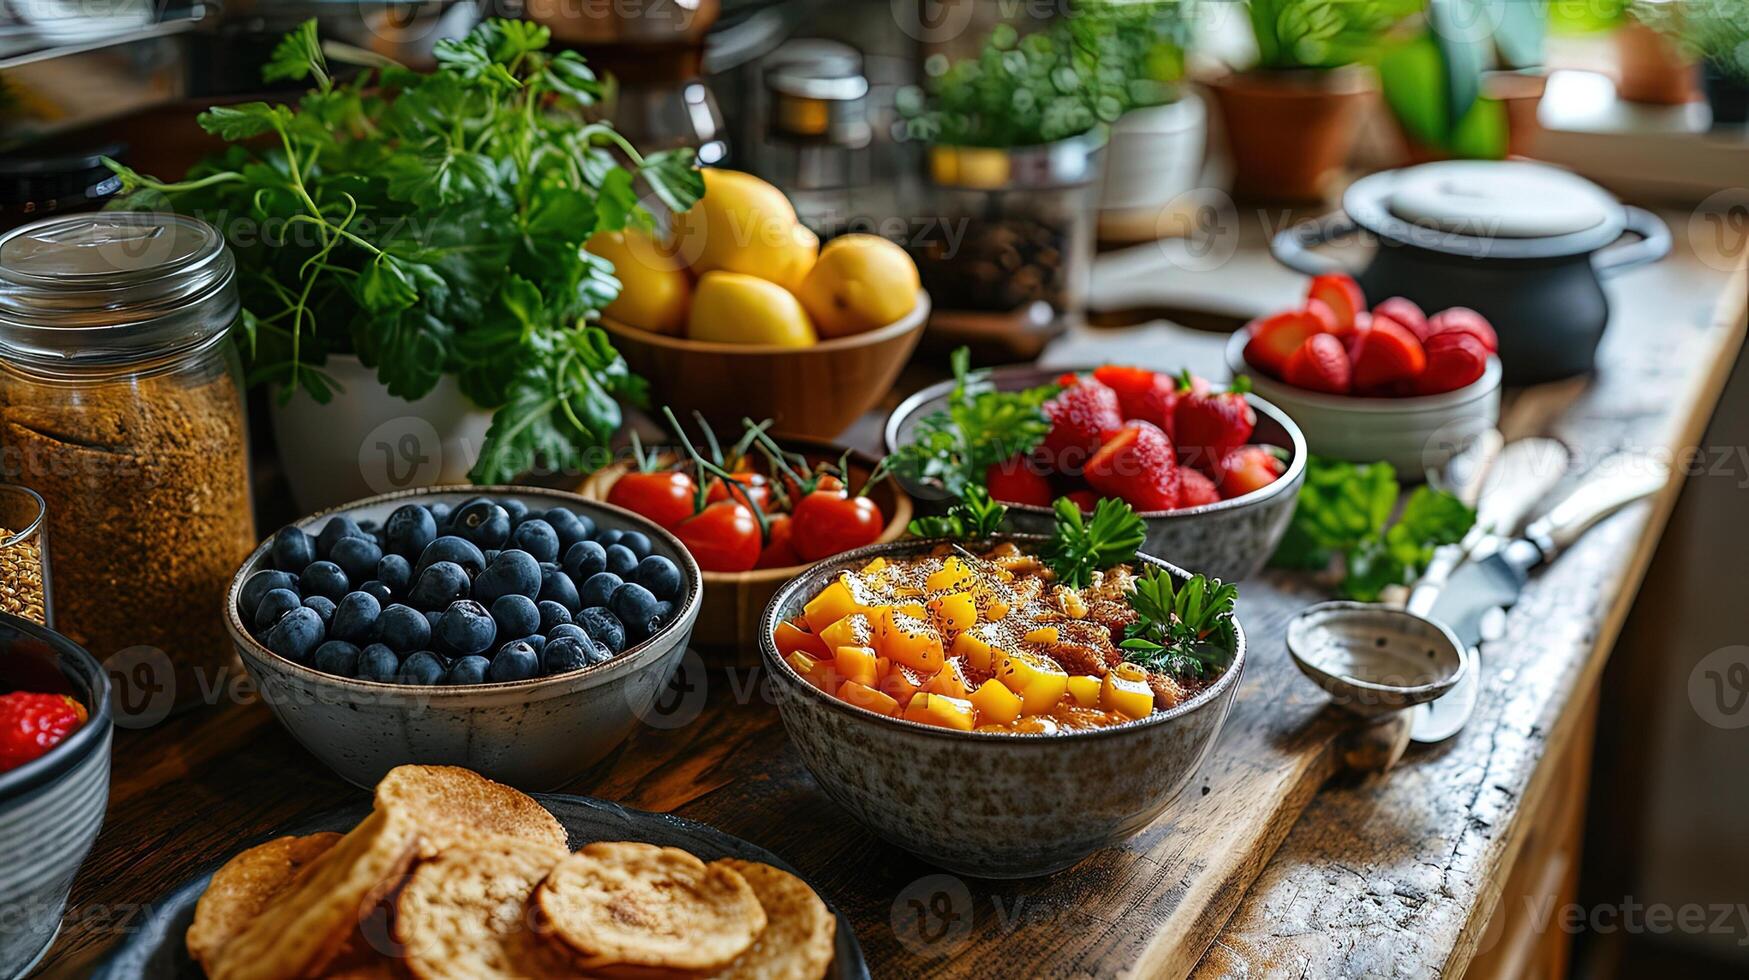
(724, 537)
(826, 522)
(757, 491)
(664, 496)
(779, 550)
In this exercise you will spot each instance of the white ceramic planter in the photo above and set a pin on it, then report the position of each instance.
(367, 442)
(1155, 155)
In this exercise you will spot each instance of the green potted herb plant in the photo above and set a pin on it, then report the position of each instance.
(1291, 119)
(1716, 34)
(409, 254)
(1467, 83)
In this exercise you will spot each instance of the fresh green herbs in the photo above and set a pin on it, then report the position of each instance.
(1079, 547)
(1322, 33)
(975, 516)
(979, 428)
(1344, 511)
(433, 224)
(1171, 634)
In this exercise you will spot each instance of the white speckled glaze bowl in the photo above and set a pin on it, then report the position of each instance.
(1230, 539)
(990, 804)
(1415, 435)
(537, 735)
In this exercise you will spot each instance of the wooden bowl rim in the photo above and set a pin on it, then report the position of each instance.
(898, 328)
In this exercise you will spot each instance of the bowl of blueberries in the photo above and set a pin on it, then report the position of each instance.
(517, 631)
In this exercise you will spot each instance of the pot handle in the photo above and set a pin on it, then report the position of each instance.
(1653, 245)
(1293, 246)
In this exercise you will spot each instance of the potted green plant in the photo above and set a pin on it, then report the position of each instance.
(1651, 68)
(1716, 34)
(1292, 118)
(409, 249)
(1467, 82)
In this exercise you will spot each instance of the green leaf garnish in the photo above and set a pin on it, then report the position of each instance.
(1078, 547)
(1173, 626)
(979, 428)
(975, 516)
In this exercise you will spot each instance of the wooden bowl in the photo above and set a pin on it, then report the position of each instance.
(813, 391)
(727, 634)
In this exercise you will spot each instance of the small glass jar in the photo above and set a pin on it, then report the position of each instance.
(121, 404)
(24, 555)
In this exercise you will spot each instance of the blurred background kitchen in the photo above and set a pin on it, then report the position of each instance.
(820, 96)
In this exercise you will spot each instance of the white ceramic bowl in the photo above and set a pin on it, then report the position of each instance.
(538, 734)
(1415, 435)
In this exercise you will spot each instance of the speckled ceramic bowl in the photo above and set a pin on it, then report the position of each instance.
(537, 735)
(990, 804)
(1229, 539)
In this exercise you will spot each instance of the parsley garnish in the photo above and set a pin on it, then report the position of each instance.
(979, 428)
(1078, 547)
(975, 516)
(1171, 631)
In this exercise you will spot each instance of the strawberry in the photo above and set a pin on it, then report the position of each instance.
(1248, 468)
(1327, 318)
(1384, 354)
(1275, 338)
(1081, 415)
(1406, 313)
(32, 724)
(1084, 499)
(1016, 481)
(1321, 364)
(1342, 295)
(1455, 358)
(1462, 318)
(1141, 393)
(1208, 424)
(1195, 489)
(1137, 465)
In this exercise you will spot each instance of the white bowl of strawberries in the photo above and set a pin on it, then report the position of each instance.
(1391, 384)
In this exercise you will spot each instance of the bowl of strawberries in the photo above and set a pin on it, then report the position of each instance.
(1391, 383)
(1212, 471)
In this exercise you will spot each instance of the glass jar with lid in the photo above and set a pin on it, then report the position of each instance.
(121, 405)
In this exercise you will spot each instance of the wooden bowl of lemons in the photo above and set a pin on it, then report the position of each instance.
(743, 314)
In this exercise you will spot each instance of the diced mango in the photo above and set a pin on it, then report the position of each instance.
(953, 576)
(874, 566)
(832, 604)
(997, 612)
(901, 683)
(882, 666)
(803, 663)
(974, 646)
(1036, 678)
(823, 674)
(1126, 692)
(790, 638)
(953, 612)
(854, 630)
(941, 710)
(1043, 634)
(908, 640)
(996, 704)
(857, 664)
(950, 680)
(864, 696)
(915, 610)
(1084, 688)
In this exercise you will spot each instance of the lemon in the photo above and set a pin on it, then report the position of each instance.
(736, 308)
(654, 291)
(859, 283)
(743, 224)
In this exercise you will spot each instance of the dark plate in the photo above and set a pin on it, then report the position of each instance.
(155, 950)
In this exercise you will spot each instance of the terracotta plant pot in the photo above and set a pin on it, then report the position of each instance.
(1520, 92)
(1290, 132)
(1652, 69)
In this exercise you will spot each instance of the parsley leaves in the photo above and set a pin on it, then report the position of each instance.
(980, 427)
(975, 516)
(1172, 628)
(1078, 547)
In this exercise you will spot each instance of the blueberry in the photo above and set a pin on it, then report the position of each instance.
(517, 510)
(382, 593)
(395, 572)
(568, 631)
(452, 549)
(468, 670)
(423, 667)
(636, 607)
(621, 560)
(336, 657)
(292, 550)
(408, 530)
(512, 573)
(660, 576)
(431, 618)
(607, 537)
(570, 526)
(483, 522)
(585, 558)
(355, 618)
(337, 528)
(604, 628)
(404, 629)
(466, 628)
(551, 614)
(565, 655)
(438, 586)
(357, 557)
(324, 608)
(556, 586)
(638, 541)
(296, 634)
(515, 615)
(599, 588)
(535, 640)
(491, 555)
(440, 513)
(538, 538)
(324, 578)
(664, 611)
(274, 605)
(597, 653)
(378, 663)
(516, 661)
(258, 585)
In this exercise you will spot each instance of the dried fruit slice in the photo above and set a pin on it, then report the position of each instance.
(799, 929)
(465, 914)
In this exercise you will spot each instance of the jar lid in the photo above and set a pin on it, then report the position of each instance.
(1498, 199)
(113, 287)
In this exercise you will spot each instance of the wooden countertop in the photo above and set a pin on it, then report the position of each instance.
(1394, 875)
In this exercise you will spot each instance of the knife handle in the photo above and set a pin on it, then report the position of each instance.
(1616, 482)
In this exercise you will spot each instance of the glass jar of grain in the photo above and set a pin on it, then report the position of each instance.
(121, 404)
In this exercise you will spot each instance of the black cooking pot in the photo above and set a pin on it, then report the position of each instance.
(1521, 243)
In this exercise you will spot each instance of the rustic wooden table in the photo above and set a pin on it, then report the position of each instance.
(1260, 868)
